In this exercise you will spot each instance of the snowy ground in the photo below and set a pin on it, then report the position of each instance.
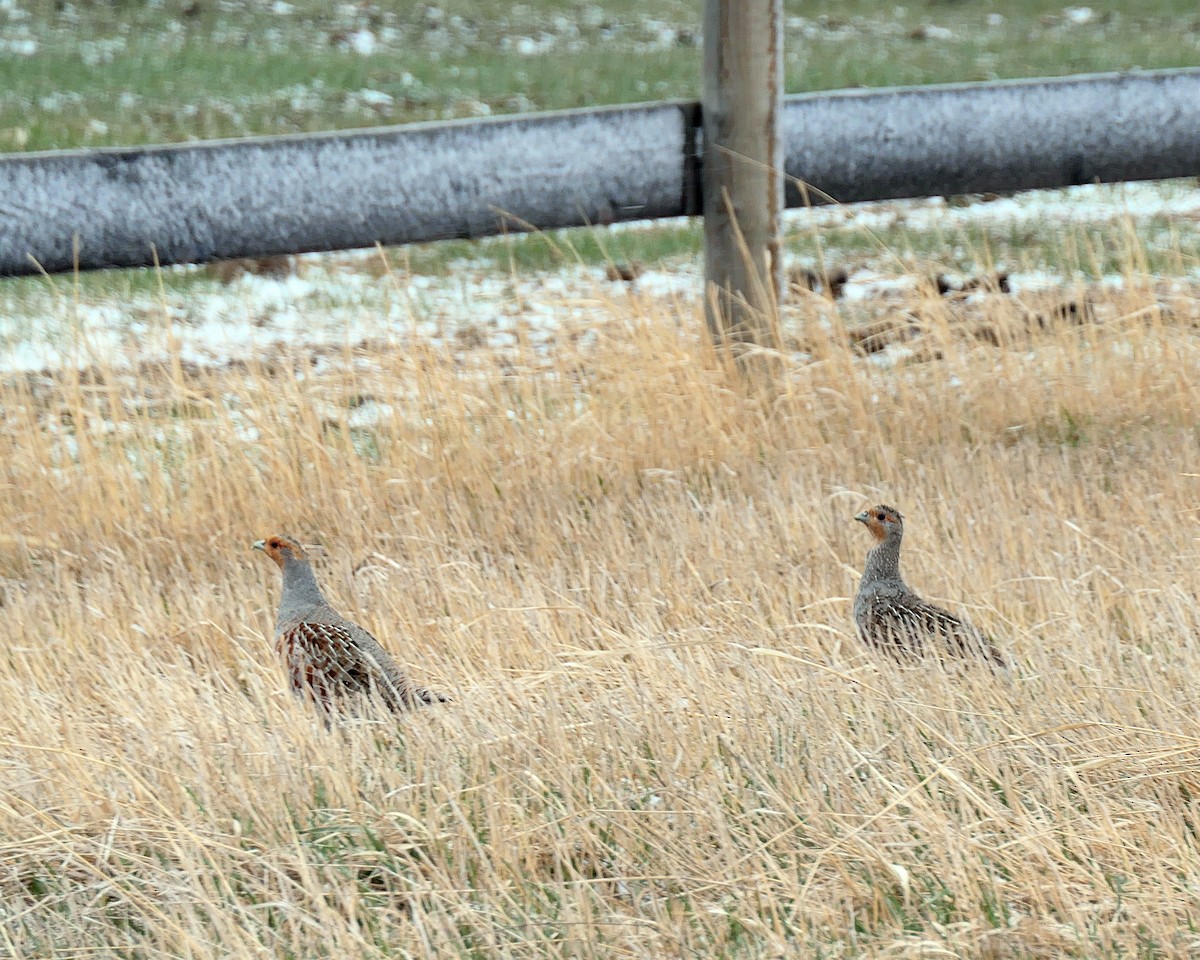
(1093, 203)
(340, 299)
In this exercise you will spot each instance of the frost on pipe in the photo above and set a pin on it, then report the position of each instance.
(198, 202)
(473, 178)
(973, 138)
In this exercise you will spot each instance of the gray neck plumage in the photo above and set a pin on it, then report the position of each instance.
(300, 590)
(883, 560)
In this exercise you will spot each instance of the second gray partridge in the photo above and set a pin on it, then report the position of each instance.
(329, 658)
(891, 617)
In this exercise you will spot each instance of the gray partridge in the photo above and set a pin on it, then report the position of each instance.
(329, 658)
(890, 617)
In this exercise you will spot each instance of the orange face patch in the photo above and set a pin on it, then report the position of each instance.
(278, 547)
(876, 520)
(876, 527)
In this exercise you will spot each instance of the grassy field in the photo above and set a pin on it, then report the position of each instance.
(549, 499)
(497, 290)
(634, 581)
(132, 71)
(109, 72)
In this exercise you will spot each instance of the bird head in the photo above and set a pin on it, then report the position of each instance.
(882, 521)
(280, 548)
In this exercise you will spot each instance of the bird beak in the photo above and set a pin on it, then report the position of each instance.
(863, 517)
(259, 545)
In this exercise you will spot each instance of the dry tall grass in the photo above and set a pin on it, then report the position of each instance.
(635, 582)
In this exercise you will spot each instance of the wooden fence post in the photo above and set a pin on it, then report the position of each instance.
(743, 171)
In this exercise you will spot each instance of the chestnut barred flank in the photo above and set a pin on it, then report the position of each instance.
(328, 658)
(889, 616)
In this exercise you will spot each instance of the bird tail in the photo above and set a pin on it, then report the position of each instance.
(992, 654)
(977, 644)
(421, 695)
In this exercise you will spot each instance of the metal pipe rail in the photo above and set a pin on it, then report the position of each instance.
(131, 207)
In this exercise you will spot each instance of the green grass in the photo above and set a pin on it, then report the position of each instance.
(132, 72)
(558, 248)
(1087, 252)
(129, 72)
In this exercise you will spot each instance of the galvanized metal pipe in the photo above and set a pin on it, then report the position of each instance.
(270, 195)
(978, 137)
(197, 202)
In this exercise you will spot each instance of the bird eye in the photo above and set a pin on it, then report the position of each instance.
(881, 517)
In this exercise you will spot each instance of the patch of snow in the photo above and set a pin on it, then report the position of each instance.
(20, 47)
(528, 46)
(1032, 280)
(331, 302)
(96, 52)
(372, 98)
(665, 36)
(1083, 204)
(57, 101)
(370, 414)
(28, 357)
(660, 283)
(476, 108)
(872, 286)
(362, 42)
